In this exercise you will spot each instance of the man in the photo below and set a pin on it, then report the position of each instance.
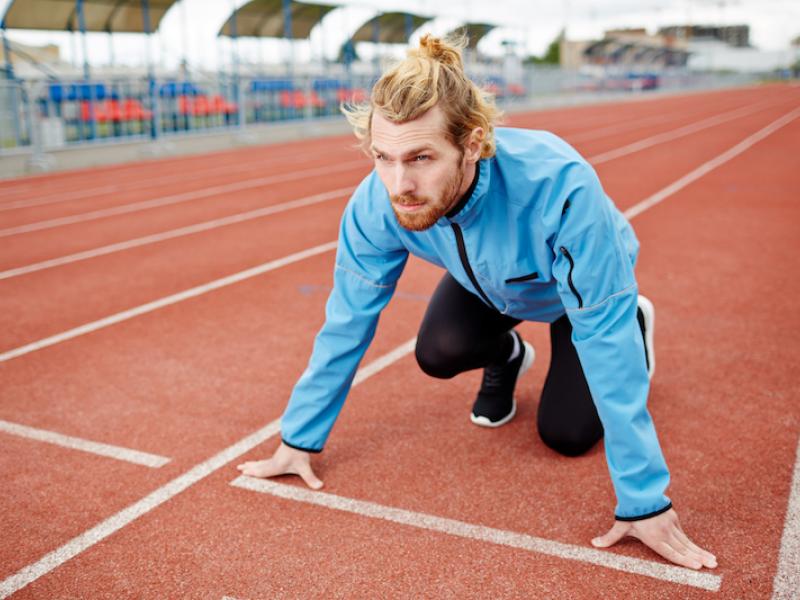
(522, 226)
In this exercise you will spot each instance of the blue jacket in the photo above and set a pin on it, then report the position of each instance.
(538, 207)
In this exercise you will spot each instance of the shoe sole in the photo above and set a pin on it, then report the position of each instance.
(527, 361)
(649, 313)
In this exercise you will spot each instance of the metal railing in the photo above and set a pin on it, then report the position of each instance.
(43, 115)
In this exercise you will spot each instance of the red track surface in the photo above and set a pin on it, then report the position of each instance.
(188, 380)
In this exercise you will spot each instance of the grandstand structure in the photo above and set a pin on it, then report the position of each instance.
(49, 112)
(90, 109)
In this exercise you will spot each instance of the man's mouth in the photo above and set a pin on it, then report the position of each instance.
(409, 207)
(408, 203)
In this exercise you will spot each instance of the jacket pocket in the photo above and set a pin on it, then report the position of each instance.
(530, 277)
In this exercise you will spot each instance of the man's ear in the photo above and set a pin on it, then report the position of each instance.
(473, 150)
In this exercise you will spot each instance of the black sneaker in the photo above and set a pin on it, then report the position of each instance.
(495, 404)
(646, 315)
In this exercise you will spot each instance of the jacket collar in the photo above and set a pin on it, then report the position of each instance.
(471, 208)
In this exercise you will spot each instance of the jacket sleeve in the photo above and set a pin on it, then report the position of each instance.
(369, 261)
(594, 249)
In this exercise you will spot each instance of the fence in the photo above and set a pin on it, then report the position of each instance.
(44, 115)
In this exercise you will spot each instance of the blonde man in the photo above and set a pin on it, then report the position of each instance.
(521, 224)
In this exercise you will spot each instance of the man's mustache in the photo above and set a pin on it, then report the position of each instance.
(409, 200)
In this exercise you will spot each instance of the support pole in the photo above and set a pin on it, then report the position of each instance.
(287, 33)
(151, 80)
(82, 26)
(236, 82)
(86, 73)
(376, 36)
(11, 88)
(185, 39)
(7, 53)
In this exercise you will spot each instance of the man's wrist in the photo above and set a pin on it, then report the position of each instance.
(649, 515)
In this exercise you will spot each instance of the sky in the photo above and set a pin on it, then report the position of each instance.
(189, 28)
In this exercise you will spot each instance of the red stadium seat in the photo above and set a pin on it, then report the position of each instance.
(356, 95)
(298, 100)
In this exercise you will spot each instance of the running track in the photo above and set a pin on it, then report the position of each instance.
(154, 317)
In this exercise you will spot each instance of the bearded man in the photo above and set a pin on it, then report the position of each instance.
(522, 226)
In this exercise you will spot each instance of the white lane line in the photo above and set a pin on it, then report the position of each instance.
(181, 197)
(238, 166)
(786, 585)
(99, 532)
(710, 165)
(626, 125)
(151, 182)
(674, 134)
(166, 301)
(237, 218)
(123, 518)
(501, 537)
(629, 213)
(174, 233)
(247, 184)
(67, 441)
(384, 361)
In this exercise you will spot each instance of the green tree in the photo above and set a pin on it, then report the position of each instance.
(551, 56)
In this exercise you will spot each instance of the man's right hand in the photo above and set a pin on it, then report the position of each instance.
(285, 461)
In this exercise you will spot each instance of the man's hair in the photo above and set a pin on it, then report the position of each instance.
(431, 74)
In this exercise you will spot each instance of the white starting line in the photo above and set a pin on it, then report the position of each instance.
(501, 537)
(67, 441)
(99, 532)
(786, 585)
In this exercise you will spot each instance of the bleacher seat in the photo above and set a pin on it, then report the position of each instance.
(355, 95)
(298, 100)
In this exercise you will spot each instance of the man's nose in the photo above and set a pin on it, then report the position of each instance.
(403, 182)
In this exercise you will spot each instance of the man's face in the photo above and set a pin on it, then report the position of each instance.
(422, 171)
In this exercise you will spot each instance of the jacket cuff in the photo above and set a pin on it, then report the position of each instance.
(311, 450)
(647, 516)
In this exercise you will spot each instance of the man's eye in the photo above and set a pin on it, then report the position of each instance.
(422, 157)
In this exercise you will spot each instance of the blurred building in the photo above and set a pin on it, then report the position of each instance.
(737, 36)
(698, 47)
(625, 49)
(727, 48)
(715, 55)
(24, 54)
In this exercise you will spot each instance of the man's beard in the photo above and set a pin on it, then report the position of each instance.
(434, 208)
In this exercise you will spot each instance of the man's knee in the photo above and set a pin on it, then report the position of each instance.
(572, 439)
(439, 355)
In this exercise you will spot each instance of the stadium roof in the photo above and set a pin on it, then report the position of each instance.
(474, 32)
(264, 18)
(116, 16)
(389, 28)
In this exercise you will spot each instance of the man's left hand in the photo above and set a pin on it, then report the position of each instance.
(664, 535)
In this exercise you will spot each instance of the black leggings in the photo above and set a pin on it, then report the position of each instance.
(459, 333)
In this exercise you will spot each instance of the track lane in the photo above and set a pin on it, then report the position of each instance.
(560, 122)
(44, 245)
(180, 380)
(401, 393)
(28, 320)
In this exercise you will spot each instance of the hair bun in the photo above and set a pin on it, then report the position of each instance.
(439, 50)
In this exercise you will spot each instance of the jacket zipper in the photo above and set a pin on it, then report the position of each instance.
(569, 276)
(462, 254)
